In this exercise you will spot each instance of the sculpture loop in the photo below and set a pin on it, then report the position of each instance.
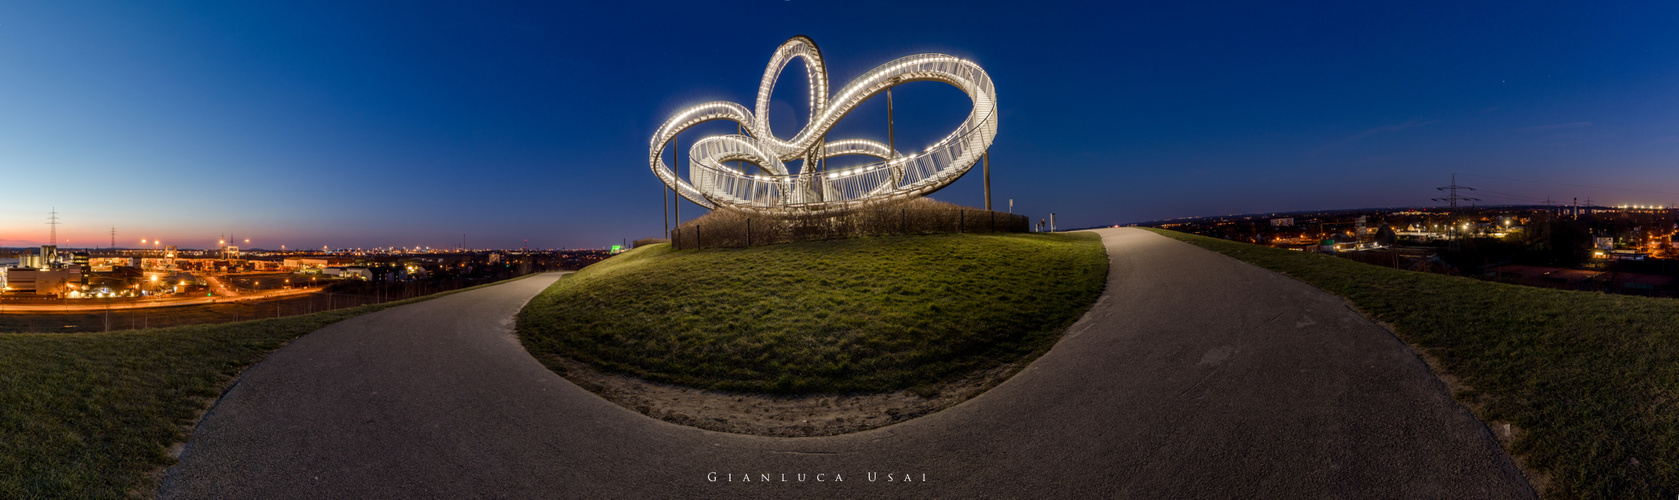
(714, 184)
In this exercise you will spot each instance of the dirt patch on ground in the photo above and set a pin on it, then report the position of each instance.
(782, 416)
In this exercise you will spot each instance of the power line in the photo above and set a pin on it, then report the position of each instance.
(1572, 185)
(1453, 198)
(1512, 196)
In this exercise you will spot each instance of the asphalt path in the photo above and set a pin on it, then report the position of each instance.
(1195, 375)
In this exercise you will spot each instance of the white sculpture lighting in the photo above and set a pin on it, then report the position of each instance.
(715, 184)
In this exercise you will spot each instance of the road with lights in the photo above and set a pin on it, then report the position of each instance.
(221, 289)
(95, 305)
(1194, 375)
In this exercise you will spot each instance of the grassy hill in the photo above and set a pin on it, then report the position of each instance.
(1591, 380)
(844, 316)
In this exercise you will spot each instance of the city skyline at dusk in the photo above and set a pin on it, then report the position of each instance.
(409, 125)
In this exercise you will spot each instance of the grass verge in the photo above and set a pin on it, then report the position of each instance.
(1592, 380)
(92, 415)
(846, 316)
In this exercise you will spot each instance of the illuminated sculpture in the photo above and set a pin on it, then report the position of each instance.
(774, 191)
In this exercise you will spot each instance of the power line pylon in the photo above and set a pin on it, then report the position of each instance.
(52, 220)
(1453, 198)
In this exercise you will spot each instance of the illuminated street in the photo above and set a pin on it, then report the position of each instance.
(94, 305)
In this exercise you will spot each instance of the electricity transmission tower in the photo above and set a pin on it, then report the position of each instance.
(52, 220)
(1452, 197)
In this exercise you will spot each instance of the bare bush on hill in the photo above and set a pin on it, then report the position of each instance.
(724, 228)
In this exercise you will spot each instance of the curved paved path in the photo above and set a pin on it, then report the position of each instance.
(1195, 375)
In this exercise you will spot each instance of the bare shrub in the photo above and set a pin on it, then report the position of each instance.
(724, 228)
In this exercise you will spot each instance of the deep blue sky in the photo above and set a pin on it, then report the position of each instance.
(309, 124)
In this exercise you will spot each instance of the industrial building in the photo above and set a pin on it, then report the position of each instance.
(53, 282)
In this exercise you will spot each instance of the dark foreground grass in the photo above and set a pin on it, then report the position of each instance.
(845, 316)
(1591, 379)
(92, 415)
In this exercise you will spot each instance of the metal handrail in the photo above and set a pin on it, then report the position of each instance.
(714, 184)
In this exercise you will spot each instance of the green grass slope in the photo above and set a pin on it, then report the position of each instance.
(856, 315)
(91, 415)
(1591, 379)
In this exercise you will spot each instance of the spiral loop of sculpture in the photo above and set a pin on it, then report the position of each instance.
(714, 184)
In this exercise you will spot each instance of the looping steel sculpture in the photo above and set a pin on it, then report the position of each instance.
(777, 192)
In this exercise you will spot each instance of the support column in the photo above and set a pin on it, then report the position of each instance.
(892, 141)
(817, 176)
(891, 137)
(987, 160)
(676, 196)
(666, 199)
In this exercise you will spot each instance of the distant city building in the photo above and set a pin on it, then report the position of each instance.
(1604, 243)
(266, 265)
(108, 264)
(1283, 222)
(54, 282)
(347, 272)
(47, 258)
(314, 262)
